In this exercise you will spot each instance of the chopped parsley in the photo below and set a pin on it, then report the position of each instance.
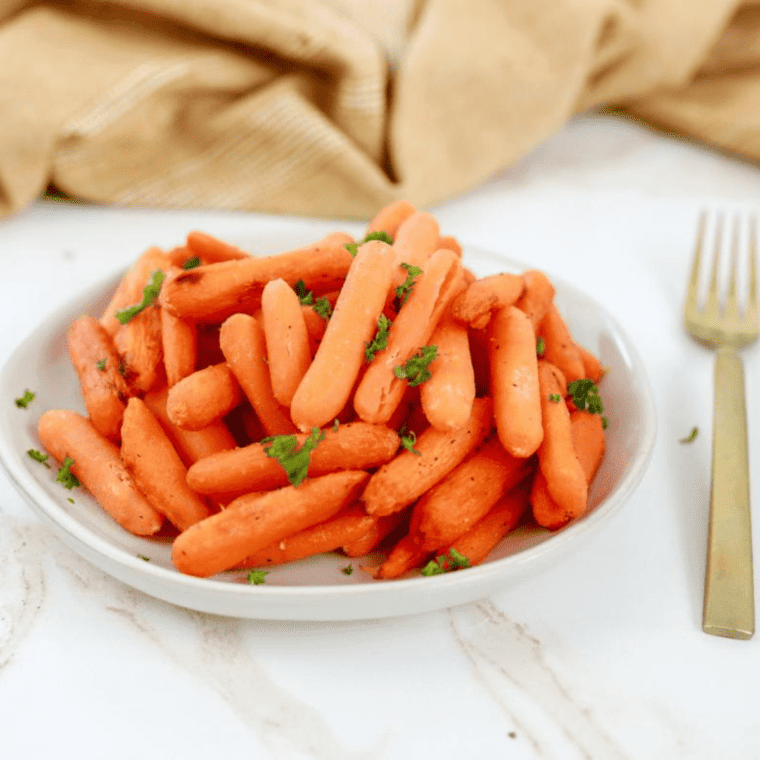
(304, 296)
(404, 290)
(101, 365)
(150, 294)
(353, 248)
(143, 558)
(348, 569)
(586, 396)
(555, 398)
(295, 461)
(446, 564)
(540, 347)
(24, 401)
(415, 369)
(192, 262)
(65, 475)
(408, 439)
(380, 341)
(323, 307)
(336, 425)
(692, 436)
(257, 577)
(38, 456)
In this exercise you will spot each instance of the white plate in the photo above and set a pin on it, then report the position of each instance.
(317, 588)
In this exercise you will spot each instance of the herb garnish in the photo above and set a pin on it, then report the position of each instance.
(192, 262)
(295, 461)
(304, 296)
(348, 569)
(408, 439)
(446, 564)
(323, 307)
(101, 365)
(150, 294)
(694, 433)
(380, 341)
(353, 248)
(257, 577)
(555, 398)
(404, 290)
(415, 369)
(25, 400)
(38, 456)
(540, 347)
(65, 475)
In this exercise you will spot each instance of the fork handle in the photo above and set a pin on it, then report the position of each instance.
(729, 604)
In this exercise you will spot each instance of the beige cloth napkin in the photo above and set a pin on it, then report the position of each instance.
(337, 107)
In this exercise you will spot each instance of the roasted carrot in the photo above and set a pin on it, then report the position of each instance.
(380, 390)
(378, 530)
(514, 382)
(244, 346)
(253, 522)
(390, 218)
(406, 477)
(203, 397)
(179, 340)
(327, 384)
(407, 554)
(140, 348)
(475, 304)
(467, 493)
(99, 468)
(353, 446)
(287, 339)
(96, 362)
(559, 347)
(212, 250)
(537, 296)
(151, 459)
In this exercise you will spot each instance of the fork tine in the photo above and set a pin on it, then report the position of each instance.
(692, 295)
(732, 306)
(712, 303)
(752, 298)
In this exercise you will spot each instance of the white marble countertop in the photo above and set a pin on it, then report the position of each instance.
(602, 657)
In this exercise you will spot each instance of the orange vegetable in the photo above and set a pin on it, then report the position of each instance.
(203, 397)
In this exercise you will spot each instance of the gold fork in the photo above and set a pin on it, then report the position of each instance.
(729, 608)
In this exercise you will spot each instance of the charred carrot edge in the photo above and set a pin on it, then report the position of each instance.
(99, 468)
(212, 250)
(179, 339)
(454, 505)
(353, 446)
(390, 218)
(537, 296)
(327, 536)
(253, 522)
(140, 348)
(447, 397)
(514, 380)
(151, 459)
(408, 475)
(327, 384)
(244, 346)
(557, 458)
(380, 390)
(203, 397)
(559, 347)
(287, 339)
(481, 298)
(96, 362)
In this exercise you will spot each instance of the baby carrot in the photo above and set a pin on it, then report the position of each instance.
(408, 475)
(537, 296)
(203, 397)
(211, 250)
(252, 522)
(373, 536)
(448, 395)
(244, 346)
(154, 464)
(407, 553)
(467, 493)
(140, 347)
(97, 366)
(380, 390)
(353, 446)
(592, 367)
(559, 347)
(99, 468)
(557, 459)
(514, 382)
(449, 242)
(390, 218)
(328, 382)
(179, 338)
(286, 337)
(414, 243)
(476, 303)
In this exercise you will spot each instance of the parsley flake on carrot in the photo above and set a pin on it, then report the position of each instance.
(323, 307)
(404, 290)
(25, 400)
(352, 248)
(295, 461)
(192, 262)
(65, 476)
(415, 369)
(380, 341)
(101, 365)
(305, 297)
(150, 294)
(586, 396)
(446, 563)
(540, 347)
(408, 439)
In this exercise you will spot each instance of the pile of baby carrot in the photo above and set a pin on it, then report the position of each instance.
(350, 395)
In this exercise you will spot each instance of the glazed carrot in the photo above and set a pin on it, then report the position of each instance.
(97, 366)
(557, 458)
(477, 302)
(504, 516)
(99, 468)
(130, 288)
(253, 522)
(406, 477)
(559, 347)
(407, 554)
(244, 346)
(213, 292)
(287, 339)
(203, 397)
(373, 536)
(353, 446)
(154, 464)
(588, 443)
(390, 218)
(315, 327)
(211, 250)
(467, 493)
(537, 296)
(191, 445)
(448, 395)
(380, 390)
(414, 243)
(592, 367)
(449, 242)
(179, 338)
(140, 347)
(327, 536)
(328, 382)
(514, 382)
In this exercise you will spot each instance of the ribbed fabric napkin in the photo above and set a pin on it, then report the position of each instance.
(337, 107)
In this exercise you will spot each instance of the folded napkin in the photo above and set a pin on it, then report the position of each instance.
(338, 107)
